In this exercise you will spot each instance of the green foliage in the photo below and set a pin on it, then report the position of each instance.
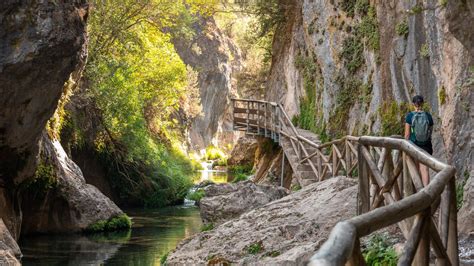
(310, 118)
(214, 153)
(196, 195)
(139, 86)
(255, 248)
(443, 3)
(240, 177)
(402, 28)
(241, 169)
(392, 116)
(425, 50)
(366, 34)
(207, 227)
(295, 187)
(417, 9)
(121, 222)
(368, 30)
(379, 252)
(352, 53)
(460, 190)
(164, 258)
(442, 95)
(44, 179)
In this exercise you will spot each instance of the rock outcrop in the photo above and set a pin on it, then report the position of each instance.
(226, 201)
(9, 250)
(416, 48)
(287, 231)
(244, 152)
(215, 57)
(42, 43)
(68, 204)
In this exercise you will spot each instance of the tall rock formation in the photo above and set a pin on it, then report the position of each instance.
(42, 46)
(216, 59)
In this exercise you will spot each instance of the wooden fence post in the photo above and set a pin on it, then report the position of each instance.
(364, 192)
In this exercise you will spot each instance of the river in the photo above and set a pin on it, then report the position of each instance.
(154, 233)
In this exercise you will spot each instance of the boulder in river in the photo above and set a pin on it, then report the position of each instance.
(226, 201)
(286, 231)
(69, 204)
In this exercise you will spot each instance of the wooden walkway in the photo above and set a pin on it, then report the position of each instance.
(390, 186)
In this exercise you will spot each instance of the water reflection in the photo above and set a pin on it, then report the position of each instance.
(153, 234)
(216, 176)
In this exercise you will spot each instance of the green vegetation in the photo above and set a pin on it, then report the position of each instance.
(241, 169)
(196, 195)
(207, 227)
(402, 28)
(460, 190)
(443, 3)
(392, 115)
(425, 50)
(43, 180)
(442, 95)
(121, 222)
(255, 248)
(240, 177)
(140, 98)
(380, 252)
(164, 258)
(366, 34)
(417, 9)
(295, 187)
(310, 118)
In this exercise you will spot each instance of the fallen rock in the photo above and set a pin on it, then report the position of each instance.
(70, 205)
(226, 201)
(287, 231)
(466, 213)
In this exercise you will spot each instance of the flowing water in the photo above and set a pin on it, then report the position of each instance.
(154, 233)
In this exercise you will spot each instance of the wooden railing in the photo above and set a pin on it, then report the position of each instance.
(391, 190)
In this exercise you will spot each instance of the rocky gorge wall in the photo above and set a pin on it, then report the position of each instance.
(216, 59)
(43, 49)
(358, 63)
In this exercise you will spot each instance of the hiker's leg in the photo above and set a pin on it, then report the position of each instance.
(425, 174)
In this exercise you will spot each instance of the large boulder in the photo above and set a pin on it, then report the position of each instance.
(68, 204)
(466, 213)
(41, 44)
(287, 231)
(9, 249)
(226, 201)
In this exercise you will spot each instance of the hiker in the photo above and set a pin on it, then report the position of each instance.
(418, 128)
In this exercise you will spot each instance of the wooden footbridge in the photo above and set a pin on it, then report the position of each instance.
(389, 180)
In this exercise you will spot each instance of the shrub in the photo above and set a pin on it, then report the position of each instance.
(164, 258)
(121, 222)
(214, 153)
(425, 50)
(442, 95)
(295, 187)
(196, 195)
(241, 169)
(240, 177)
(380, 252)
(402, 28)
(255, 248)
(207, 227)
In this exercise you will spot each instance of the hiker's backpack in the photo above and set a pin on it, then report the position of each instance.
(420, 126)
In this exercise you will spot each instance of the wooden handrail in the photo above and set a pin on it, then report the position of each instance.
(387, 171)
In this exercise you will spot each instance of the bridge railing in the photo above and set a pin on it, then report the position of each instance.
(391, 190)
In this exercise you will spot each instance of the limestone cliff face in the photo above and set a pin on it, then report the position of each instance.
(216, 58)
(42, 52)
(41, 44)
(424, 48)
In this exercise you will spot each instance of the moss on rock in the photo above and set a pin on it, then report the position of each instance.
(121, 222)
